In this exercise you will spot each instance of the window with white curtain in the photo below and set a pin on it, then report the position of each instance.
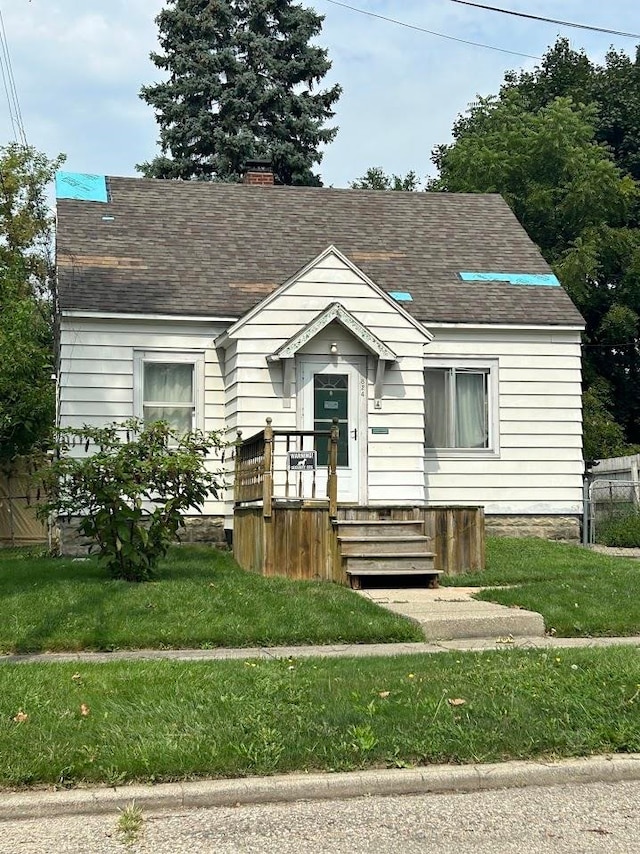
(460, 407)
(168, 388)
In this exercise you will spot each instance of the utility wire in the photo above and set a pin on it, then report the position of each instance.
(429, 32)
(13, 102)
(5, 83)
(548, 20)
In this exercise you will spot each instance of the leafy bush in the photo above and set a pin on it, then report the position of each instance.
(131, 488)
(622, 531)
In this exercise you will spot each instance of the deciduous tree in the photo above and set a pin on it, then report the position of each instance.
(27, 396)
(540, 147)
(375, 178)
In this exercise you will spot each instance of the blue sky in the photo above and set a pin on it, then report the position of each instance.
(78, 67)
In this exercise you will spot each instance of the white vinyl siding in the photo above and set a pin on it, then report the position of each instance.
(533, 464)
(539, 467)
(97, 370)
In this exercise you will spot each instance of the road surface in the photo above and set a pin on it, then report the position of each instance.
(576, 819)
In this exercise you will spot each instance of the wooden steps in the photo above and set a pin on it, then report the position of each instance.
(372, 548)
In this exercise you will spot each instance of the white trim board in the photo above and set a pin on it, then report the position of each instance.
(113, 315)
(335, 311)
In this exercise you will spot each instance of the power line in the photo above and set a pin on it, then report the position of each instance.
(15, 113)
(548, 20)
(7, 91)
(429, 32)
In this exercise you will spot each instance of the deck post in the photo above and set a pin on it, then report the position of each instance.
(267, 478)
(332, 479)
(236, 480)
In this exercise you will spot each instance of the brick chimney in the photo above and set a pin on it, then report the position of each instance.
(258, 173)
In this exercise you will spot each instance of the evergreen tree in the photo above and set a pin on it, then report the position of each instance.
(242, 84)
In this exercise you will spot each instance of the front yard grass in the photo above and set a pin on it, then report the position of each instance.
(201, 599)
(579, 592)
(68, 724)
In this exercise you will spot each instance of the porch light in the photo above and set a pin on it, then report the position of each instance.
(333, 348)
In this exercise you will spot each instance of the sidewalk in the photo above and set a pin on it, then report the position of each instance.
(178, 797)
(329, 651)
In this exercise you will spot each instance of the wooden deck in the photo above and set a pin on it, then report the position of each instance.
(315, 538)
(300, 540)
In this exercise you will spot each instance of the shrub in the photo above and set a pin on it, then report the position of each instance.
(131, 487)
(621, 531)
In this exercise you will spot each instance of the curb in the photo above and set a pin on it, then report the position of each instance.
(297, 787)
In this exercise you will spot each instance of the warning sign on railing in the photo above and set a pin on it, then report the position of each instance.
(301, 460)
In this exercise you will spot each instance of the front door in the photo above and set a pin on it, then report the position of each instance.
(337, 389)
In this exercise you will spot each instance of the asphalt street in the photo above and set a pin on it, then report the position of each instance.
(568, 819)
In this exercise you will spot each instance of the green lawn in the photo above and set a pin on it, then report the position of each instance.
(162, 720)
(580, 593)
(201, 599)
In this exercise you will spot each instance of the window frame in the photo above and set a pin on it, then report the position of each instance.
(168, 357)
(490, 366)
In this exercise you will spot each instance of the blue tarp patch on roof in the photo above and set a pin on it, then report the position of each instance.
(401, 296)
(547, 279)
(78, 185)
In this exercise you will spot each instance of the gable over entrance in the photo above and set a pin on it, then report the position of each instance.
(329, 342)
(335, 312)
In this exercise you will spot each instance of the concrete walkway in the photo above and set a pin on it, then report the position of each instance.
(446, 615)
(450, 613)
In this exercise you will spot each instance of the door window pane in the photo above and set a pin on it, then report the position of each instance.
(331, 400)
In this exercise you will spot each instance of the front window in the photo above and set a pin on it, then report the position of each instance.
(168, 389)
(457, 408)
(168, 394)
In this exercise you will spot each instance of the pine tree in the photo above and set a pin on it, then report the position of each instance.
(242, 85)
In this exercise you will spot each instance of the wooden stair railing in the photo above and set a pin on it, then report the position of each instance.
(254, 465)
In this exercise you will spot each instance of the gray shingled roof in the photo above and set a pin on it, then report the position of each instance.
(173, 247)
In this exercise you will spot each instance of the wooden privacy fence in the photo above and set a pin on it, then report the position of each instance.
(19, 525)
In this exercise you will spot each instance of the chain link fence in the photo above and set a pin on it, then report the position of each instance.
(613, 512)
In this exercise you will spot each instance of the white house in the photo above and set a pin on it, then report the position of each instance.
(429, 324)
